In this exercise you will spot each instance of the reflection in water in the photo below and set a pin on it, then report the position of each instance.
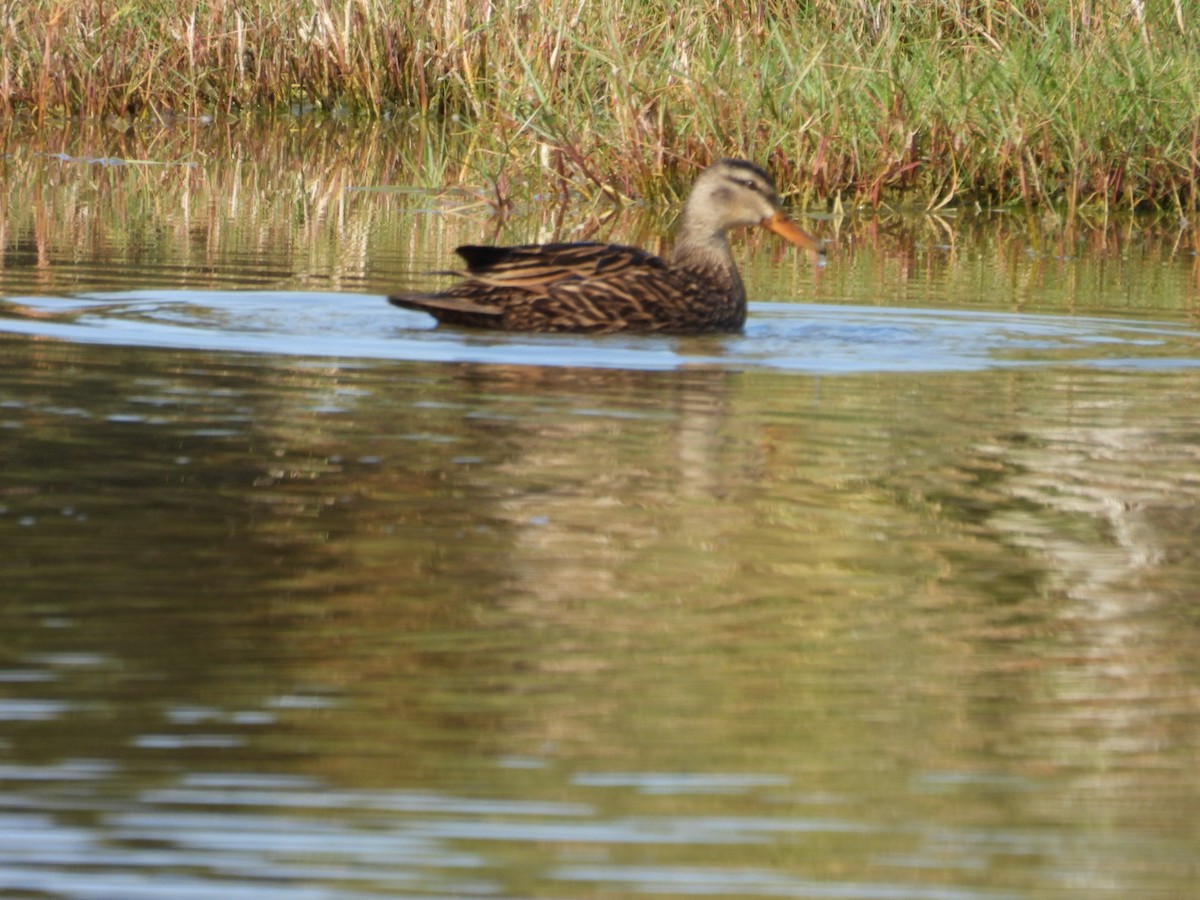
(348, 206)
(303, 598)
(446, 630)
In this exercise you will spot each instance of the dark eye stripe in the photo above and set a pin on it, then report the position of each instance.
(747, 183)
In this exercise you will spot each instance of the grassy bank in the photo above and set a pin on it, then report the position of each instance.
(279, 203)
(1059, 102)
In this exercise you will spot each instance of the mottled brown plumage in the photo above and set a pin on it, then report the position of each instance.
(590, 287)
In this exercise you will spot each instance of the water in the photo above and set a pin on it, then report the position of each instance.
(893, 596)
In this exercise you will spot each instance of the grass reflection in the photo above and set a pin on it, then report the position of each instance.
(331, 205)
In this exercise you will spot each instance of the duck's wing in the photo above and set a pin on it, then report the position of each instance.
(537, 266)
(560, 287)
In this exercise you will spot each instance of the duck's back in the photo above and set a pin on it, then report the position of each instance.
(583, 287)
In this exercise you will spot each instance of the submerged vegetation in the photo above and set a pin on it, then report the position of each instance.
(1062, 103)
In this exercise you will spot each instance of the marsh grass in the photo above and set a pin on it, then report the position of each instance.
(1059, 103)
(298, 203)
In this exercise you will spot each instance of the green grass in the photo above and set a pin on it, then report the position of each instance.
(928, 103)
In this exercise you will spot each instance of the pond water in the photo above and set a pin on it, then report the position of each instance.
(893, 596)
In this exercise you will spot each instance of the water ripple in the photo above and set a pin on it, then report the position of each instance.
(798, 337)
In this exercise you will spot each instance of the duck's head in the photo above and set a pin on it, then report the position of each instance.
(734, 193)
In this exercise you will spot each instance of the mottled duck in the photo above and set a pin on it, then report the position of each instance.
(593, 287)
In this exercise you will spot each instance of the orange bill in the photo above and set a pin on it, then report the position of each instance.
(789, 230)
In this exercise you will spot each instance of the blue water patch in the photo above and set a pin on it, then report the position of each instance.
(810, 338)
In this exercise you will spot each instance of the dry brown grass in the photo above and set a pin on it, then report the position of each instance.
(1062, 103)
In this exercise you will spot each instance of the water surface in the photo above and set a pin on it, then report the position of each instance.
(893, 596)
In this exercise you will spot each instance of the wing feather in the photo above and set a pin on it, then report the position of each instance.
(426, 302)
(535, 266)
(581, 287)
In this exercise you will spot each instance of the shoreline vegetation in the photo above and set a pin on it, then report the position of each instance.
(298, 204)
(1057, 104)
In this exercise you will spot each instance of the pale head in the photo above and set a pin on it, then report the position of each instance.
(734, 193)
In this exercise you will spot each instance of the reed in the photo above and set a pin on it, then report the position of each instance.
(1059, 103)
(276, 203)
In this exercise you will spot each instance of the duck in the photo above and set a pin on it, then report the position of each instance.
(590, 287)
